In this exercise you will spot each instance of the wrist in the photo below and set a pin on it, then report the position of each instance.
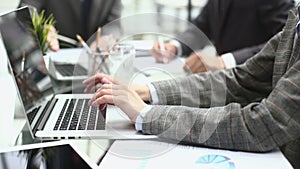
(137, 111)
(144, 93)
(221, 62)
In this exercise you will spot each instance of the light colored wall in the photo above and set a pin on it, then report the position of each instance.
(6, 5)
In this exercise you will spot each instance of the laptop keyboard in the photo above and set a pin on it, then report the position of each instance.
(76, 114)
(31, 115)
(71, 69)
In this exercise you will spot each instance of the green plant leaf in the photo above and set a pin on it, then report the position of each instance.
(41, 28)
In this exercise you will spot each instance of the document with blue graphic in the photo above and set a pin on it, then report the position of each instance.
(148, 154)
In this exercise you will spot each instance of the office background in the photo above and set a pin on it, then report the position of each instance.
(172, 7)
(177, 8)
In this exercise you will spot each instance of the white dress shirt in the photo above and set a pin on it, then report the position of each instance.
(228, 58)
(154, 100)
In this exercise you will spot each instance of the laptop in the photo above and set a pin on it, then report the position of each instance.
(66, 64)
(50, 115)
(56, 154)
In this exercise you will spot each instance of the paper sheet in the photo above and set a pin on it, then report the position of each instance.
(141, 154)
(159, 71)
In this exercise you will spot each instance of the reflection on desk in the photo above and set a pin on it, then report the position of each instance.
(94, 148)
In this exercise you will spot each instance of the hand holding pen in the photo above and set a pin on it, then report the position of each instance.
(163, 52)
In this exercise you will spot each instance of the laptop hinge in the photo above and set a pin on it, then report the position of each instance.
(45, 115)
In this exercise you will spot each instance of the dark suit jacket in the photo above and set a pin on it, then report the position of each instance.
(238, 26)
(68, 14)
(253, 107)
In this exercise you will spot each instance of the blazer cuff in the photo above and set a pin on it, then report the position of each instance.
(140, 118)
(153, 93)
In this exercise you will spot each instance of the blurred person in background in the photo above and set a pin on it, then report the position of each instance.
(237, 29)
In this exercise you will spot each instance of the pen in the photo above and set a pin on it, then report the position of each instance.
(98, 35)
(23, 62)
(162, 49)
(98, 50)
(161, 44)
(84, 44)
(67, 39)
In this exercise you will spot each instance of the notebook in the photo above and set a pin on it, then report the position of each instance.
(50, 115)
(55, 154)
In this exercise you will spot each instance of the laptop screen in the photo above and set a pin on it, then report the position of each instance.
(25, 57)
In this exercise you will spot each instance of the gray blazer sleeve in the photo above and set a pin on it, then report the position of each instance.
(256, 118)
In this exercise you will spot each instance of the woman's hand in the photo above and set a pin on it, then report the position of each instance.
(121, 96)
(100, 78)
(95, 80)
(128, 98)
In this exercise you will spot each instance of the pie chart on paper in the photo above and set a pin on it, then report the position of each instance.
(213, 161)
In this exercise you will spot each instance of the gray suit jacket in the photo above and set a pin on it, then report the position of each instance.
(69, 18)
(240, 27)
(253, 107)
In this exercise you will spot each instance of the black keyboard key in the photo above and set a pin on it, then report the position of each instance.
(84, 115)
(57, 124)
(31, 115)
(76, 115)
(92, 118)
(68, 115)
(101, 119)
